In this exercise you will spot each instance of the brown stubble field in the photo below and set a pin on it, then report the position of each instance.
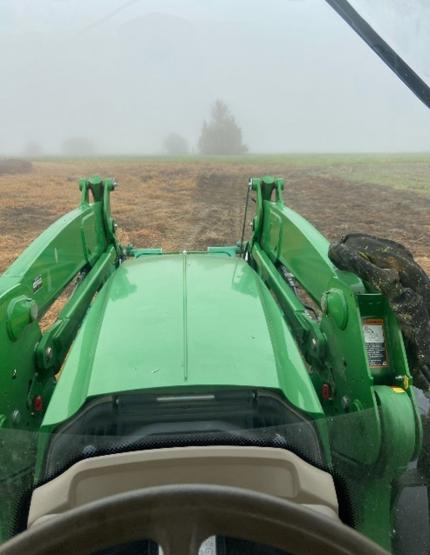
(192, 203)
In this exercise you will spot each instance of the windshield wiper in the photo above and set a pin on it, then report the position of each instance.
(409, 77)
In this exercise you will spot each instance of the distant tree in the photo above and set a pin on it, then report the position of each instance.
(221, 135)
(175, 145)
(78, 146)
(32, 149)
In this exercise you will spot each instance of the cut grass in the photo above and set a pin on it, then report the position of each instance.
(192, 202)
(400, 171)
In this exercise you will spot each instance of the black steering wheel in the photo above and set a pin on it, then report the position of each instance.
(180, 517)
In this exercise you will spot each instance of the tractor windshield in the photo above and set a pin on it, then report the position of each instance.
(399, 33)
(405, 26)
(214, 252)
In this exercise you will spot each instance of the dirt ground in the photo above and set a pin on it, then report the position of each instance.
(190, 205)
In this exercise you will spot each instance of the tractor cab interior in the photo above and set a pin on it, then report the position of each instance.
(269, 396)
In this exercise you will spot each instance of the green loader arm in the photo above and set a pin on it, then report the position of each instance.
(80, 244)
(364, 387)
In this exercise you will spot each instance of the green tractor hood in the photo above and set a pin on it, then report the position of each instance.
(164, 321)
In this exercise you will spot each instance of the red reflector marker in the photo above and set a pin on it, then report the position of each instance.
(38, 403)
(326, 392)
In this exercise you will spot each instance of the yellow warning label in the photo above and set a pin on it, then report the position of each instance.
(398, 390)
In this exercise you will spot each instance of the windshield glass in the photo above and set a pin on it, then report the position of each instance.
(405, 26)
(215, 233)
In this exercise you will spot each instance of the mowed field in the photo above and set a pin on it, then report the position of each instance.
(191, 203)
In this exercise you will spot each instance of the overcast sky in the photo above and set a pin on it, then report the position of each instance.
(125, 74)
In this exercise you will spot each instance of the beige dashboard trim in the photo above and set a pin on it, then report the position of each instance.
(264, 469)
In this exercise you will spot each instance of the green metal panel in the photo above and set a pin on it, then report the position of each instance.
(51, 261)
(302, 249)
(53, 346)
(370, 487)
(197, 320)
(37, 278)
(371, 413)
(80, 242)
(229, 250)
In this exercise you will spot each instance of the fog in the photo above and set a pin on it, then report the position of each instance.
(123, 75)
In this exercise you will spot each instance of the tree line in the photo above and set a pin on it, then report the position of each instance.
(220, 135)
